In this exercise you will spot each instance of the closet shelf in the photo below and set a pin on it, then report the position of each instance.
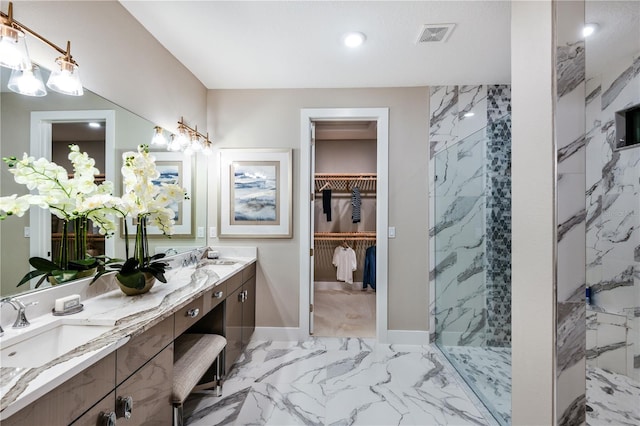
(366, 182)
(340, 236)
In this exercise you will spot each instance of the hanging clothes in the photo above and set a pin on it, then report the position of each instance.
(326, 203)
(344, 259)
(356, 203)
(369, 268)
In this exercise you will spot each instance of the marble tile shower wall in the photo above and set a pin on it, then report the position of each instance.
(613, 223)
(570, 286)
(460, 213)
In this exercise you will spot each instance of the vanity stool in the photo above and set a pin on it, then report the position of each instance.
(193, 356)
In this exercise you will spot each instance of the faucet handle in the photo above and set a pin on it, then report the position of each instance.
(21, 319)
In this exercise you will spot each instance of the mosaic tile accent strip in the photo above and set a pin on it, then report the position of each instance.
(498, 216)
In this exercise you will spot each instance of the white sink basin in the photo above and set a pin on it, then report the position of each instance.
(47, 343)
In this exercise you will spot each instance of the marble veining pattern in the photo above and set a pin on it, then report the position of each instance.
(354, 382)
(570, 130)
(129, 316)
(613, 216)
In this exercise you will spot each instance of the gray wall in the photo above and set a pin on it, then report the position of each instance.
(270, 119)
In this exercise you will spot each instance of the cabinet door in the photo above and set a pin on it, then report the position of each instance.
(248, 310)
(94, 417)
(150, 391)
(233, 328)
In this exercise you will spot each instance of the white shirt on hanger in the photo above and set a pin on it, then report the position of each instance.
(344, 259)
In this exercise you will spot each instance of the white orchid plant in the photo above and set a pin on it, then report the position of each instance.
(148, 204)
(78, 199)
(75, 200)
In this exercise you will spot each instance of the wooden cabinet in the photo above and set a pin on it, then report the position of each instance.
(188, 315)
(240, 315)
(96, 415)
(149, 390)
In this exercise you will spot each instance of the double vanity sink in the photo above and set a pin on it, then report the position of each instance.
(40, 345)
(53, 349)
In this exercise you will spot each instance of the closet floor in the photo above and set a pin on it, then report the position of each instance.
(344, 310)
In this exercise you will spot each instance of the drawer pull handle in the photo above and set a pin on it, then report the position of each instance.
(124, 406)
(218, 294)
(107, 419)
(192, 313)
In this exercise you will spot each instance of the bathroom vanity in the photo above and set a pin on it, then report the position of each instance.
(122, 367)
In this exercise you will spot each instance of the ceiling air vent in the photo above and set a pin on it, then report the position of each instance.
(435, 33)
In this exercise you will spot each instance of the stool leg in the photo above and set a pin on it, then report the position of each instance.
(218, 378)
(177, 415)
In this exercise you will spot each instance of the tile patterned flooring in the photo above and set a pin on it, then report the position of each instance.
(338, 381)
(351, 381)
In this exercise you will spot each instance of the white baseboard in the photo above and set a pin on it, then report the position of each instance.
(397, 337)
(408, 337)
(279, 333)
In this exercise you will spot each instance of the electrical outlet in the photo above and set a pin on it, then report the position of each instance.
(27, 232)
(200, 232)
(213, 232)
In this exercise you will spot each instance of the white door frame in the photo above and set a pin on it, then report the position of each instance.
(40, 146)
(381, 116)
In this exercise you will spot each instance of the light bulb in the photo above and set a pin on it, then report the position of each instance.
(65, 79)
(13, 49)
(27, 82)
(589, 29)
(158, 137)
(354, 39)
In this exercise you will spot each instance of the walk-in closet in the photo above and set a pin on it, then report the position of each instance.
(345, 229)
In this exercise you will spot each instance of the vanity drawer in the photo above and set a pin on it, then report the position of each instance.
(249, 272)
(214, 297)
(233, 282)
(142, 348)
(188, 315)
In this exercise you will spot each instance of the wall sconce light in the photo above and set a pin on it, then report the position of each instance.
(26, 77)
(188, 140)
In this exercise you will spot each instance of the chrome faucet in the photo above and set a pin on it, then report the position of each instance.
(21, 318)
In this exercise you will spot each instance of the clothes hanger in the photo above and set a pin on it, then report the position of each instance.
(325, 186)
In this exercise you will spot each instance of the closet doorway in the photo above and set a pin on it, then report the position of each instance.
(309, 118)
(344, 224)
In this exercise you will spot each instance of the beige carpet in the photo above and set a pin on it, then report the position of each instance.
(341, 310)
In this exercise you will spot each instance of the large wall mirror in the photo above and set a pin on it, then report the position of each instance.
(44, 127)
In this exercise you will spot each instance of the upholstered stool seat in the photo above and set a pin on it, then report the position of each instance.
(194, 354)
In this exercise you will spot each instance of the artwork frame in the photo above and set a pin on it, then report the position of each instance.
(255, 193)
(179, 169)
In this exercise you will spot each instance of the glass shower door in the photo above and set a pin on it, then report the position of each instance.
(473, 262)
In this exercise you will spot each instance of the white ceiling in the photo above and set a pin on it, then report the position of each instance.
(297, 44)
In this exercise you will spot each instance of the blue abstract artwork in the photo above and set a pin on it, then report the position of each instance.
(255, 192)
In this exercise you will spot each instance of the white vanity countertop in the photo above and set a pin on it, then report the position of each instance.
(125, 317)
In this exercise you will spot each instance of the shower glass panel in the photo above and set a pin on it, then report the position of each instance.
(473, 256)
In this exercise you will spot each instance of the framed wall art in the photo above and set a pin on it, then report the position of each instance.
(255, 193)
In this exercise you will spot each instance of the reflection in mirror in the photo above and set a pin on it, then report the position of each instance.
(33, 234)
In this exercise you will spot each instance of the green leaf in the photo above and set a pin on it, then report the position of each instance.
(130, 266)
(30, 275)
(42, 264)
(64, 275)
(83, 264)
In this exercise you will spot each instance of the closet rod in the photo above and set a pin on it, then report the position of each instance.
(340, 236)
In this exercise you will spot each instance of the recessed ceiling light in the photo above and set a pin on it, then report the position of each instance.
(589, 29)
(354, 39)
(94, 125)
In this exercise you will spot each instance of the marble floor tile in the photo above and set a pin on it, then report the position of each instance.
(612, 399)
(337, 381)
